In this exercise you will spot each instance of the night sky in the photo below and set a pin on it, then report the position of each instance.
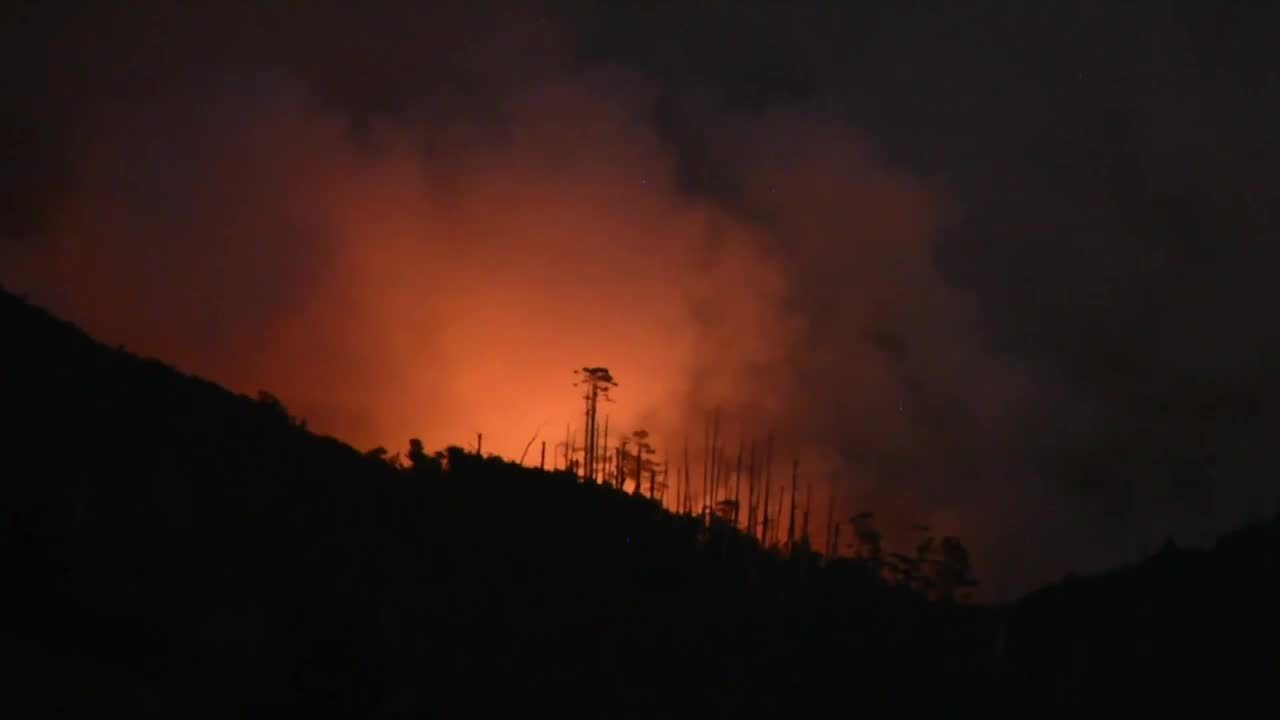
(1003, 268)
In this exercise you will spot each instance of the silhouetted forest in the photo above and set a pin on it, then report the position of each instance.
(182, 551)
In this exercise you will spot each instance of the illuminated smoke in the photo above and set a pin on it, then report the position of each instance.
(415, 278)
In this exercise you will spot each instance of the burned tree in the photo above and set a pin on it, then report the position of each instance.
(737, 488)
(597, 381)
(791, 516)
(642, 462)
(679, 498)
(714, 454)
(666, 478)
(768, 462)
(707, 472)
(829, 544)
(687, 498)
(605, 460)
(804, 522)
(751, 491)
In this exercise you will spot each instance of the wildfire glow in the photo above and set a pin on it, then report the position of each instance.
(429, 280)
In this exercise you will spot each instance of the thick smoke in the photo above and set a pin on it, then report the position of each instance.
(961, 291)
(400, 279)
(411, 281)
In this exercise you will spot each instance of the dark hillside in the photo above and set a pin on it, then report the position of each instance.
(177, 550)
(184, 550)
(1190, 631)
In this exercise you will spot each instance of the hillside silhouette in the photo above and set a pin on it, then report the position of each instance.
(179, 550)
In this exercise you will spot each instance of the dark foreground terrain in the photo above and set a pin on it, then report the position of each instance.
(175, 550)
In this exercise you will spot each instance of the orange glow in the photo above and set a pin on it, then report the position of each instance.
(415, 294)
(433, 281)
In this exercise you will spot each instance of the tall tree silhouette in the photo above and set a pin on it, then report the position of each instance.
(597, 382)
(642, 462)
(768, 463)
(791, 516)
(737, 487)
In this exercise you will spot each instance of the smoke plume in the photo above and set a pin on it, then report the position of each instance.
(419, 225)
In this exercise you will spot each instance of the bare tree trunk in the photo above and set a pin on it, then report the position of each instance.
(604, 456)
(666, 477)
(586, 433)
(479, 444)
(715, 470)
(831, 521)
(595, 430)
(687, 499)
(679, 489)
(542, 463)
(639, 468)
(777, 532)
(706, 466)
(571, 452)
(804, 525)
(589, 463)
(791, 516)
(768, 475)
(593, 444)
(715, 458)
(719, 489)
(737, 488)
(764, 522)
(711, 493)
(751, 491)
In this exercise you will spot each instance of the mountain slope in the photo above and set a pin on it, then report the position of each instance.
(182, 549)
(1186, 631)
(179, 550)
